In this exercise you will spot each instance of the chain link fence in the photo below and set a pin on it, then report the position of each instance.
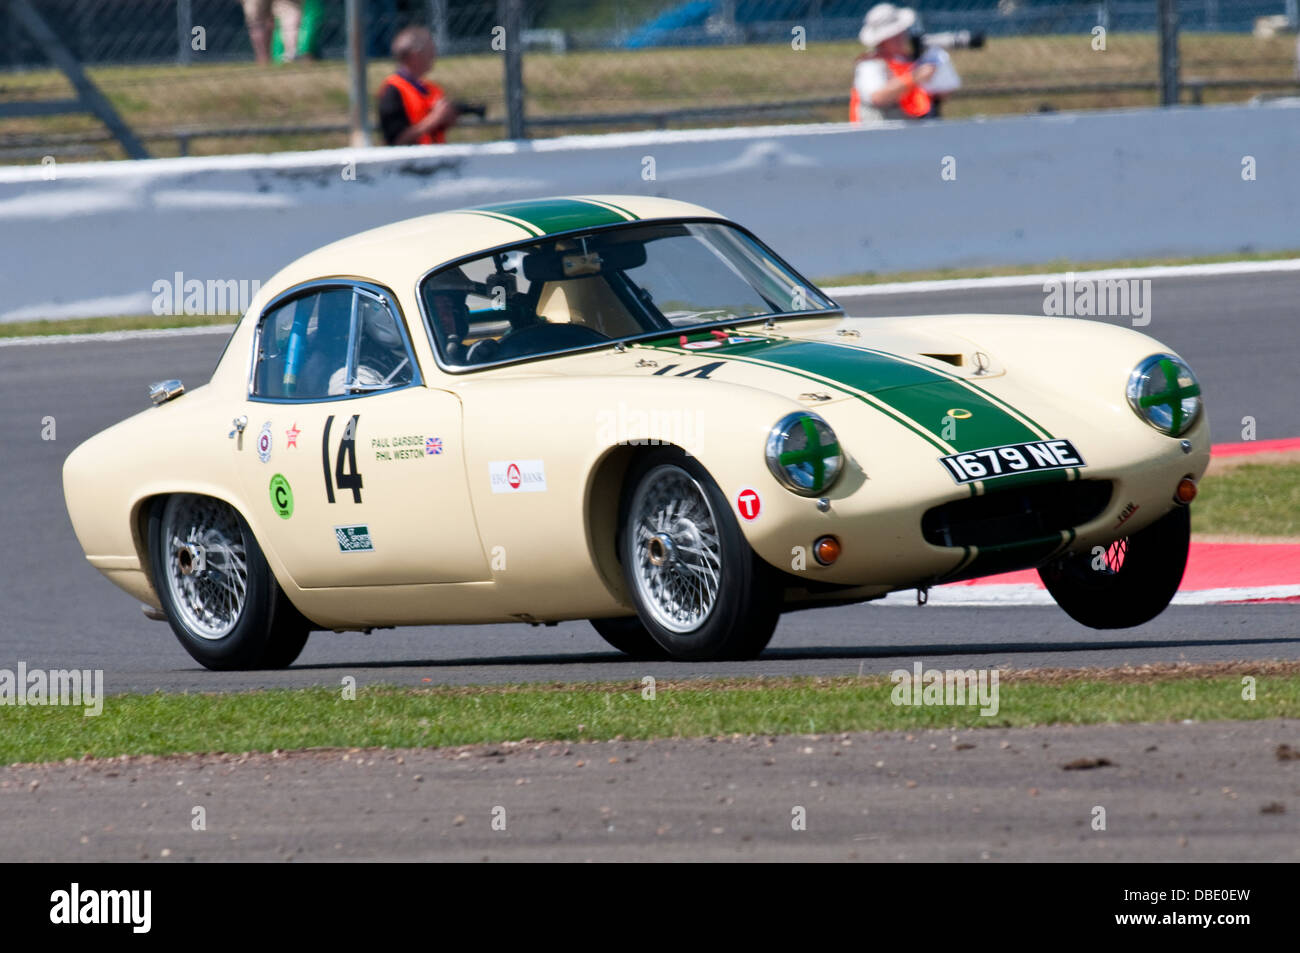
(181, 72)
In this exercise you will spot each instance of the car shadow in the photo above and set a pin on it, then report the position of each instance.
(807, 653)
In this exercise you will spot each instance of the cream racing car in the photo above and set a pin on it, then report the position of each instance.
(627, 410)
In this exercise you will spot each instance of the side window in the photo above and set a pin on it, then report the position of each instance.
(330, 343)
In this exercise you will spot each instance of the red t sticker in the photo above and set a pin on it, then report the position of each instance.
(512, 476)
(749, 504)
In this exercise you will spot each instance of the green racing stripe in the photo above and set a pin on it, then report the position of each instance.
(546, 216)
(916, 396)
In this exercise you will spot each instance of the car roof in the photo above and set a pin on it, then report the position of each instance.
(398, 255)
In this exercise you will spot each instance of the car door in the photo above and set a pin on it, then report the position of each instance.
(358, 469)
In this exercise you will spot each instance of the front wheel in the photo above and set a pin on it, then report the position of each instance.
(700, 591)
(1129, 582)
(216, 589)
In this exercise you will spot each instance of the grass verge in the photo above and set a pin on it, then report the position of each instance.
(132, 322)
(1250, 499)
(385, 716)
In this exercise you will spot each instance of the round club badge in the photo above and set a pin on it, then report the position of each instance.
(264, 443)
(281, 496)
(749, 504)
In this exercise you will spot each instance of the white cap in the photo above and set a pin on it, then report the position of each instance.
(885, 20)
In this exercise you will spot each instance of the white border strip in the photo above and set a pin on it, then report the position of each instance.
(1038, 280)
(106, 337)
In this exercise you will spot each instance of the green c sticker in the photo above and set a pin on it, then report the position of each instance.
(281, 496)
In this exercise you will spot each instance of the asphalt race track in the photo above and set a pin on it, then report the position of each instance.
(1239, 332)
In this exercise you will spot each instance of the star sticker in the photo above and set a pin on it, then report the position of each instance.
(292, 435)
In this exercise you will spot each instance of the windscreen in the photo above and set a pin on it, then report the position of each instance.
(579, 291)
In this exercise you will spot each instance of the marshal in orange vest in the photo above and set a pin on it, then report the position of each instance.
(417, 104)
(915, 102)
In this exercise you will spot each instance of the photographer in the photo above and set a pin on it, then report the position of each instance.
(413, 111)
(898, 78)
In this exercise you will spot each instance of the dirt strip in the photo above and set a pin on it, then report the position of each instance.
(1170, 792)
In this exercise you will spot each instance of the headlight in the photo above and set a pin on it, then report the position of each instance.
(803, 454)
(1164, 392)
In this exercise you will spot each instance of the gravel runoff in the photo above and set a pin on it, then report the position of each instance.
(1170, 792)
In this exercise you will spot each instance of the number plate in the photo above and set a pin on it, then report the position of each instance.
(994, 462)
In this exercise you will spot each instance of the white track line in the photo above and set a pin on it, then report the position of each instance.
(103, 337)
(1027, 594)
(1038, 280)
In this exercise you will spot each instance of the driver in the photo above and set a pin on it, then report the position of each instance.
(382, 360)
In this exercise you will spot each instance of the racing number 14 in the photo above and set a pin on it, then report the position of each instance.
(349, 479)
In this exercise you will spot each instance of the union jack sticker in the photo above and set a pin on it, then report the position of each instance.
(433, 445)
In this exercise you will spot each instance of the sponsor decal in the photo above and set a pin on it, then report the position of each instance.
(404, 447)
(264, 443)
(717, 339)
(1014, 458)
(354, 539)
(281, 496)
(1129, 509)
(517, 476)
(958, 413)
(291, 436)
(433, 446)
(749, 504)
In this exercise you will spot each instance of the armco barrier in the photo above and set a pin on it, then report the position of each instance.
(87, 239)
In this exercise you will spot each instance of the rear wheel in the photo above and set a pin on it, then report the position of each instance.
(1128, 583)
(219, 595)
(700, 591)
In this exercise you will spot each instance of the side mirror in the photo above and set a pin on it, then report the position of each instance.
(164, 391)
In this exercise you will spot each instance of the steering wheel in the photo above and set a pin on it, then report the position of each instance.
(540, 338)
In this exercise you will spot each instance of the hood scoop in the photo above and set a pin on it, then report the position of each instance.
(956, 360)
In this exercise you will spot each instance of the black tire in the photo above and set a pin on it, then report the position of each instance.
(263, 631)
(738, 619)
(630, 637)
(1139, 577)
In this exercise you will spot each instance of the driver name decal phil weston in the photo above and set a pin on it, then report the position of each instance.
(517, 476)
(405, 447)
(75, 906)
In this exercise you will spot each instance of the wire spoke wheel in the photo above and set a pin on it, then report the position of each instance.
(206, 564)
(677, 552)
